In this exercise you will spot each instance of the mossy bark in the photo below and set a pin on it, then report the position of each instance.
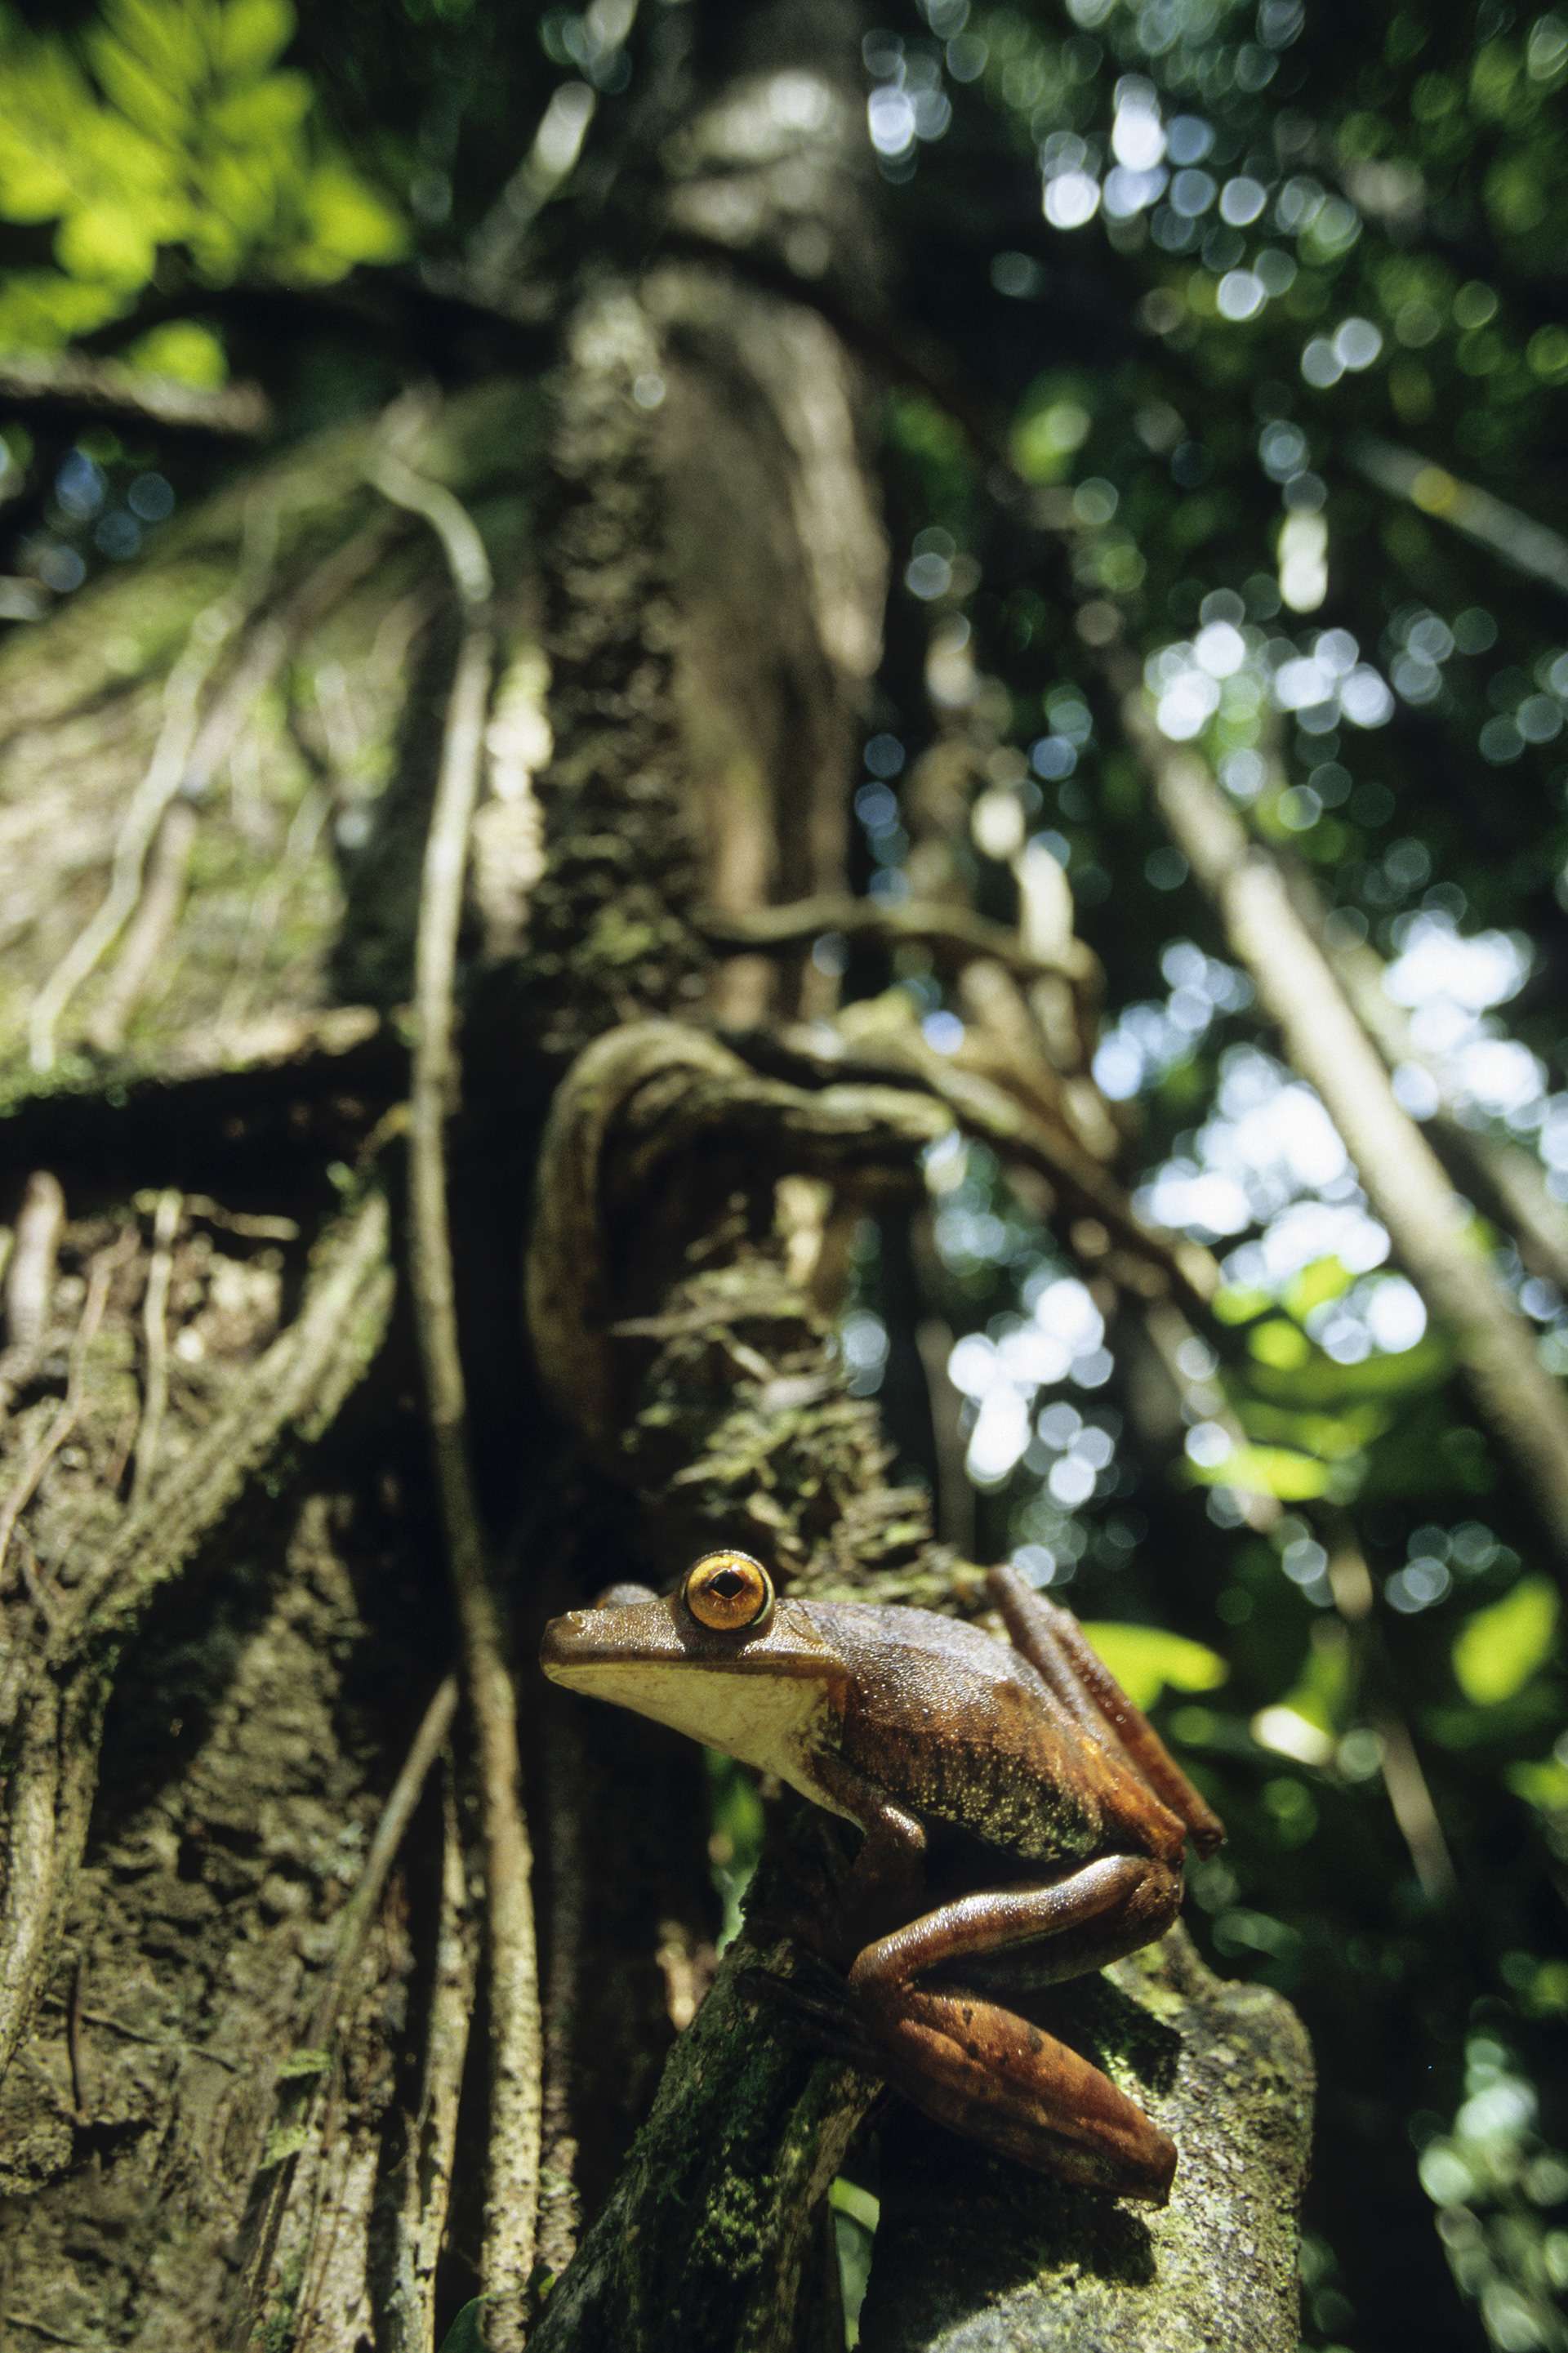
(218, 771)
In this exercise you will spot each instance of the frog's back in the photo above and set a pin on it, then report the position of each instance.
(959, 1727)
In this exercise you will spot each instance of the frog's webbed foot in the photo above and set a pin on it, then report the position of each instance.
(985, 2072)
(959, 2053)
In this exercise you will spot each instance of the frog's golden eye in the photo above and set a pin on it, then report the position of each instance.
(728, 1591)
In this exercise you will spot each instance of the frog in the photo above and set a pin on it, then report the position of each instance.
(1014, 1761)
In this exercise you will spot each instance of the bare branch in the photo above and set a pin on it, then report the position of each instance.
(637, 1096)
(954, 936)
(516, 2049)
(1517, 539)
(30, 1268)
(1408, 1187)
(64, 383)
(154, 1327)
(881, 1042)
(22, 1492)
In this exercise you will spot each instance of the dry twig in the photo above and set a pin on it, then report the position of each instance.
(154, 1327)
(100, 1274)
(30, 1270)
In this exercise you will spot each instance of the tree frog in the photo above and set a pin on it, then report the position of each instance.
(1023, 1823)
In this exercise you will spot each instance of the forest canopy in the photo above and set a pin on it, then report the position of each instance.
(1213, 372)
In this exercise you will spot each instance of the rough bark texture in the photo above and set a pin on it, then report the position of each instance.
(1226, 2070)
(241, 1901)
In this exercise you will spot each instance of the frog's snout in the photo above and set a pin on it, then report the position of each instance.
(564, 1642)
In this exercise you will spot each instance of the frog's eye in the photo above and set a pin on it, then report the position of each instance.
(727, 1591)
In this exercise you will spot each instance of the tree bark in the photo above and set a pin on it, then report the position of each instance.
(252, 1895)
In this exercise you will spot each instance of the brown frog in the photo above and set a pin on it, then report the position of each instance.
(907, 1724)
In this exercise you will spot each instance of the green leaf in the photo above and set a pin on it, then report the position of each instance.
(1497, 1650)
(1320, 1696)
(1315, 1285)
(1266, 1471)
(263, 112)
(847, 2197)
(150, 100)
(1238, 1303)
(1280, 1344)
(190, 354)
(350, 221)
(107, 241)
(1044, 441)
(1543, 1782)
(1144, 1658)
(465, 2334)
(1319, 1381)
(253, 33)
(169, 38)
(1331, 1436)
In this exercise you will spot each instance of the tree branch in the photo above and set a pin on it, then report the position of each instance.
(954, 936)
(972, 2257)
(65, 384)
(710, 2218)
(516, 2053)
(1405, 1182)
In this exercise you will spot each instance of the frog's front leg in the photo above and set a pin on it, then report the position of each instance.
(886, 1879)
(984, 2071)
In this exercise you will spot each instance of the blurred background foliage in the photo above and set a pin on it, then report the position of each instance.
(1263, 313)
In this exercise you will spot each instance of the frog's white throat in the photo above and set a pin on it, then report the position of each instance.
(774, 1721)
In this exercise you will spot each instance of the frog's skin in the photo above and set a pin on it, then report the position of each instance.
(912, 1726)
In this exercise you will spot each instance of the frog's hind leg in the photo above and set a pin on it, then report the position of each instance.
(1052, 1640)
(986, 2073)
(979, 2066)
(1072, 1923)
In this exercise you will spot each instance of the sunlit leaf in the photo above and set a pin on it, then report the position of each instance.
(1044, 439)
(1331, 1436)
(107, 242)
(1236, 1303)
(1266, 1471)
(1324, 1279)
(1318, 1381)
(1543, 1782)
(154, 101)
(350, 221)
(40, 310)
(167, 36)
(1499, 1649)
(273, 109)
(181, 138)
(33, 187)
(1321, 1695)
(1145, 1659)
(1279, 1344)
(252, 34)
(181, 349)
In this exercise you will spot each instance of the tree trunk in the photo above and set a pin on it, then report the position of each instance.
(275, 2074)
